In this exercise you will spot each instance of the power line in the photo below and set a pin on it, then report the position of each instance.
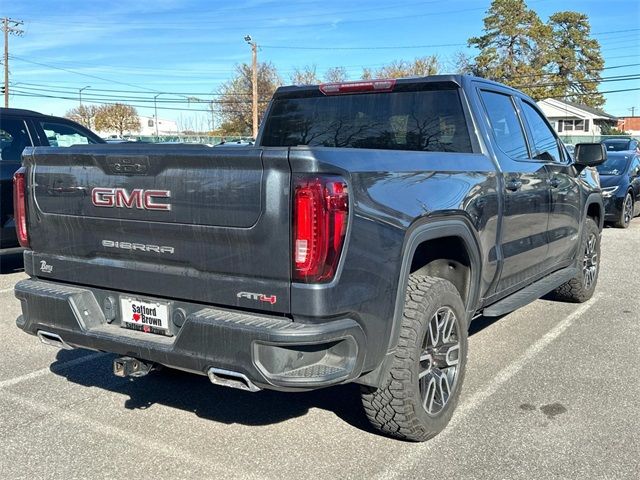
(602, 80)
(605, 92)
(41, 95)
(117, 98)
(61, 89)
(379, 47)
(84, 74)
(399, 47)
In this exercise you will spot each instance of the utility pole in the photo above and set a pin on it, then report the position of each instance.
(254, 81)
(9, 26)
(80, 93)
(213, 120)
(633, 111)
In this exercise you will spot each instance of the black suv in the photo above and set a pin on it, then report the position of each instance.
(25, 128)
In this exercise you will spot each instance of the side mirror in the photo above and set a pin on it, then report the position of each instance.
(589, 154)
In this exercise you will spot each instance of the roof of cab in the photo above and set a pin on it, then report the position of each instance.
(455, 80)
(20, 112)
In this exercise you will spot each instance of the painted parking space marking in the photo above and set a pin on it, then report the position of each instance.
(56, 367)
(478, 398)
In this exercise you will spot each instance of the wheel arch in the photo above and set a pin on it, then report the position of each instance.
(424, 233)
(420, 233)
(594, 208)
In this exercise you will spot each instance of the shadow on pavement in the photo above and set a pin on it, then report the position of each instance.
(11, 263)
(481, 323)
(194, 393)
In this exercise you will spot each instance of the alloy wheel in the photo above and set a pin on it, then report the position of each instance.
(628, 209)
(590, 261)
(438, 372)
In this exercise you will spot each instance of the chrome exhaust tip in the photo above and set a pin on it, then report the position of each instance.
(227, 378)
(53, 340)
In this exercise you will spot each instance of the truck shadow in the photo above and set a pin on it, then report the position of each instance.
(194, 393)
(11, 263)
(483, 322)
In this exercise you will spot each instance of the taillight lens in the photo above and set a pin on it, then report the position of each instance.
(320, 215)
(20, 206)
(341, 88)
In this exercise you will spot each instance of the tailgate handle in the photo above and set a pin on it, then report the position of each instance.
(128, 164)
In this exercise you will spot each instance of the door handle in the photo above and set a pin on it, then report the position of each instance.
(513, 185)
(554, 182)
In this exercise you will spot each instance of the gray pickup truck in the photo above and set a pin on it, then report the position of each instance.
(355, 242)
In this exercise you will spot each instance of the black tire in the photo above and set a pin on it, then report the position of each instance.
(396, 408)
(578, 289)
(626, 213)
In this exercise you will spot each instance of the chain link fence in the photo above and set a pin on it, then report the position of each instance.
(573, 139)
(204, 139)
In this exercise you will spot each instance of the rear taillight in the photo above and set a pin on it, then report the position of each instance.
(320, 215)
(20, 206)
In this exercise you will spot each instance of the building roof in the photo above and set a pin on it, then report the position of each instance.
(593, 111)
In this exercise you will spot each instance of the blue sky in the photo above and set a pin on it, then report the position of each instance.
(192, 46)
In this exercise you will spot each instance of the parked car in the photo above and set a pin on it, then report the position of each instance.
(234, 143)
(370, 223)
(622, 145)
(25, 128)
(570, 148)
(620, 181)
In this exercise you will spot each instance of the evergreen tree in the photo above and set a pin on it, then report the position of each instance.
(512, 47)
(574, 60)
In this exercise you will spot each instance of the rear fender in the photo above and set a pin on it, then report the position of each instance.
(419, 232)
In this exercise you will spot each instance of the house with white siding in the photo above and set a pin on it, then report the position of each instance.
(569, 118)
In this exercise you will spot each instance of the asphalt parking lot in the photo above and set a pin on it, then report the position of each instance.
(551, 391)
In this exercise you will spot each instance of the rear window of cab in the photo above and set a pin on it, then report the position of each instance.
(426, 120)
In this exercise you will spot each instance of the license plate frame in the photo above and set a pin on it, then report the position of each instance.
(149, 316)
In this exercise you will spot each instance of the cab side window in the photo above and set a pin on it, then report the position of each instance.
(505, 124)
(13, 139)
(64, 135)
(544, 141)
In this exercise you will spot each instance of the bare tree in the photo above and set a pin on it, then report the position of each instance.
(419, 67)
(367, 73)
(234, 104)
(336, 74)
(84, 115)
(305, 76)
(119, 117)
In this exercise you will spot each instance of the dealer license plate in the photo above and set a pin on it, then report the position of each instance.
(145, 316)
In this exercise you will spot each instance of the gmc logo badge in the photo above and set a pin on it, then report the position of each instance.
(137, 198)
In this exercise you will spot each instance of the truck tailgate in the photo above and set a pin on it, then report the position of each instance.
(205, 224)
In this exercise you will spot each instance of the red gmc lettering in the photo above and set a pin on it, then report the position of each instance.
(138, 198)
(126, 200)
(149, 195)
(102, 197)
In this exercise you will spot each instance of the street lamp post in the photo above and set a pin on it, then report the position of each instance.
(254, 81)
(155, 109)
(80, 93)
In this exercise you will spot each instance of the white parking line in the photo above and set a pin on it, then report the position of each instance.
(474, 401)
(47, 370)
